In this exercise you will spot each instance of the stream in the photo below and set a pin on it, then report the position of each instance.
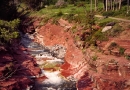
(49, 59)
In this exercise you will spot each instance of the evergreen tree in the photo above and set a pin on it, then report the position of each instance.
(8, 21)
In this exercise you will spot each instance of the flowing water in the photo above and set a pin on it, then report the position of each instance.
(49, 59)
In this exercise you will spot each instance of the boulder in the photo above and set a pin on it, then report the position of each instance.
(60, 3)
(106, 28)
(58, 51)
(110, 24)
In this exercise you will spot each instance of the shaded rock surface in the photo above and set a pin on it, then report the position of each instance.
(16, 68)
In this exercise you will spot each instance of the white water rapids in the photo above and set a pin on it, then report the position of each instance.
(54, 55)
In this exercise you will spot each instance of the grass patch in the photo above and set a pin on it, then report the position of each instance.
(70, 12)
(102, 22)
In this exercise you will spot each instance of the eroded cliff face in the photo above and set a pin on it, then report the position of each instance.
(99, 68)
(52, 35)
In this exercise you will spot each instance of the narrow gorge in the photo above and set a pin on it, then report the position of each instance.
(48, 57)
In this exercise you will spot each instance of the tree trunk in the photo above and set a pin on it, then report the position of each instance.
(120, 4)
(106, 5)
(96, 2)
(113, 5)
(91, 5)
(116, 4)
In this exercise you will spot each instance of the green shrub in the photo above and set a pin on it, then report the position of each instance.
(121, 51)
(59, 13)
(108, 13)
(98, 35)
(127, 57)
(8, 30)
(124, 12)
(117, 29)
(116, 13)
(112, 46)
(124, 8)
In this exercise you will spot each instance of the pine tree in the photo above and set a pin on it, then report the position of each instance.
(8, 31)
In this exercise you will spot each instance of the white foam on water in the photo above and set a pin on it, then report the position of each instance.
(43, 56)
(53, 77)
(55, 60)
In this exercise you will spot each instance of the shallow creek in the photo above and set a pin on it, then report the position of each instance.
(49, 59)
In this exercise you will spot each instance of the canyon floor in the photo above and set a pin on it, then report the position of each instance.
(95, 68)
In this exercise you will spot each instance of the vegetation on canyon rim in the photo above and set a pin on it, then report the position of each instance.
(77, 11)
